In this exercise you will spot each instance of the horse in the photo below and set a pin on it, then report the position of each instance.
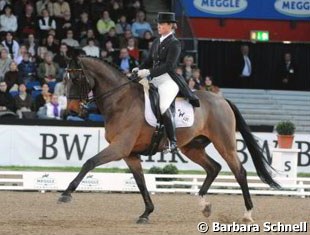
(121, 102)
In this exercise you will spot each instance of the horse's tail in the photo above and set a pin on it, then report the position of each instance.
(263, 169)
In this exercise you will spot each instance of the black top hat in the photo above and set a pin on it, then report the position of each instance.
(166, 17)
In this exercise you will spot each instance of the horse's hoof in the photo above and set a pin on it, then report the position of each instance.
(207, 210)
(65, 199)
(143, 220)
(247, 220)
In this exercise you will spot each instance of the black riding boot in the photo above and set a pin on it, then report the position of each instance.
(168, 120)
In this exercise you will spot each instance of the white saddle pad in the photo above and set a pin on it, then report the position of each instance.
(184, 115)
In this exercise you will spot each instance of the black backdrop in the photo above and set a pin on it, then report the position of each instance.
(217, 58)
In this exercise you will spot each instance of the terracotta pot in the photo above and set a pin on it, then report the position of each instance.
(285, 141)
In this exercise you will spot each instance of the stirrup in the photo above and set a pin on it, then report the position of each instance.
(174, 149)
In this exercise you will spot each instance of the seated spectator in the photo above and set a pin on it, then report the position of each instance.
(50, 44)
(3, 3)
(133, 48)
(104, 24)
(191, 83)
(60, 92)
(11, 45)
(5, 62)
(48, 71)
(23, 101)
(210, 87)
(124, 38)
(51, 110)
(197, 79)
(11, 77)
(110, 50)
(22, 51)
(140, 25)
(40, 54)
(62, 59)
(8, 21)
(44, 5)
(105, 56)
(27, 22)
(66, 24)
(122, 25)
(69, 40)
(80, 6)
(287, 73)
(43, 98)
(91, 49)
(27, 70)
(96, 9)
(126, 62)
(133, 7)
(83, 25)
(60, 8)
(46, 23)
(116, 10)
(179, 71)
(188, 66)
(7, 104)
(144, 42)
(90, 34)
(32, 44)
(112, 36)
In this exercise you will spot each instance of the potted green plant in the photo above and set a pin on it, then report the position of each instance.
(285, 130)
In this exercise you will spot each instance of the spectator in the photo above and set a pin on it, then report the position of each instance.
(60, 8)
(66, 23)
(179, 71)
(144, 42)
(133, 8)
(32, 45)
(27, 22)
(96, 9)
(105, 56)
(46, 23)
(110, 50)
(3, 3)
(126, 62)
(22, 50)
(69, 40)
(11, 77)
(140, 25)
(188, 66)
(19, 9)
(60, 92)
(48, 71)
(287, 73)
(42, 98)
(191, 83)
(41, 54)
(62, 59)
(90, 34)
(91, 49)
(209, 86)
(51, 110)
(83, 25)
(111, 36)
(27, 70)
(122, 25)
(244, 69)
(197, 78)
(124, 38)
(44, 5)
(104, 24)
(5, 62)
(51, 44)
(80, 6)
(7, 104)
(116, 10)
(23, 101)
(133, 48)
(8, 21)
(11, 45)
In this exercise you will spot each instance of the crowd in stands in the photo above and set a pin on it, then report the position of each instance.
(37, 39)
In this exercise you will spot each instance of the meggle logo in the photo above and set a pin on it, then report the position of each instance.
(221, 7)
(297, 8)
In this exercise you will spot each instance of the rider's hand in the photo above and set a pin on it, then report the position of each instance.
(143, 73)
(135, 70)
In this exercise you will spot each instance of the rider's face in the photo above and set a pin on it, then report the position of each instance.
(164, 28)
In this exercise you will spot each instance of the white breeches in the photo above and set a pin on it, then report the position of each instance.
(167, 89)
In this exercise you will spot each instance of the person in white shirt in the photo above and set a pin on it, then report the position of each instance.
(69, 40)
(245, 68)
(8, 21)
(11, 45)
(46, 23)
(91, 49)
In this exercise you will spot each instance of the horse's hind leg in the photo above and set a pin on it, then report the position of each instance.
(199, 156)
(134, 164)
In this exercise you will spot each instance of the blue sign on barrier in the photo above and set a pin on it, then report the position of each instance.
(249, 9)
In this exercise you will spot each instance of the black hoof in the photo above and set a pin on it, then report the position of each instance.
(65, 198)
(207, 210)
(143, 220)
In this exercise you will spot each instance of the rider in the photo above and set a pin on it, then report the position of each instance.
(160, 66)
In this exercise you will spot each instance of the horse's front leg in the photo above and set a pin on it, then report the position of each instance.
(134, 163)
(112, 153)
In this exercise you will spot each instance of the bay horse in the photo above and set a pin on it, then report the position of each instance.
(121, 101)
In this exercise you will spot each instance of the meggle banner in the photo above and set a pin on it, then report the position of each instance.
(72, 146)
(249, 9)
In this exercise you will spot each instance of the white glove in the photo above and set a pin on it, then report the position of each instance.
(135, 70)
(143, 73)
